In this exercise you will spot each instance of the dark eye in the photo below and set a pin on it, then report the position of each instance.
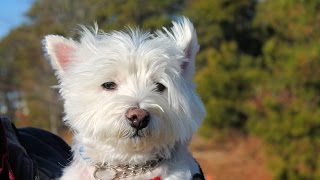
(109, 85)
(160, 87)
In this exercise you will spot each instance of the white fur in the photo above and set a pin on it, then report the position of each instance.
(135, 61)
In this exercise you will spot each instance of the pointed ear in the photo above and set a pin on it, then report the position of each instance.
(184, 34)
(59, 51)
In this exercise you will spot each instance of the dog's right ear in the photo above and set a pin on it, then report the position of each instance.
(60, 51)
(184, 35)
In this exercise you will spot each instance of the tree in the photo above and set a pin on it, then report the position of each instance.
(259, 73)
(228, 65)
(288, 116)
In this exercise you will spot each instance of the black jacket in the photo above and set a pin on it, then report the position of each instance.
(32, 153)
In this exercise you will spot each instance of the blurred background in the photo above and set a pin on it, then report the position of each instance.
(258, 73)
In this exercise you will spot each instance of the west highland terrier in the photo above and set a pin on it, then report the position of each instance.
(130, 101)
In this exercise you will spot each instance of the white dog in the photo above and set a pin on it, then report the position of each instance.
(130, 101)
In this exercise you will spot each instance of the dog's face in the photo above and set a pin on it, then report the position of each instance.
(129, 89)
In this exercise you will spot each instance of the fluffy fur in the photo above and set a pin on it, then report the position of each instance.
(135, 61)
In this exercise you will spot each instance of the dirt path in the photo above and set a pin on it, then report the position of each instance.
(238, 159)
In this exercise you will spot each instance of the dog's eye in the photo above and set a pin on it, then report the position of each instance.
(109, 85)
(160, 87)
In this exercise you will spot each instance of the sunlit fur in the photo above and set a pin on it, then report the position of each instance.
(135, 61)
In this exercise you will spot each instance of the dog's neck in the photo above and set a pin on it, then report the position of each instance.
(127, 170)
(106, 158)
(102, 161)
(99, 153)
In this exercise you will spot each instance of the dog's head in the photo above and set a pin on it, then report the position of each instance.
(129, 89)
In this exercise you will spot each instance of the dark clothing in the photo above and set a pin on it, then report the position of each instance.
(30, 153)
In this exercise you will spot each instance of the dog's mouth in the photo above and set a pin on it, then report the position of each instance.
(134, 134)
(138, 134)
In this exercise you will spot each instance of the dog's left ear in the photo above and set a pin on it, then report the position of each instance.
(184, 34)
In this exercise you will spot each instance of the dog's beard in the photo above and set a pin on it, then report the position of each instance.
(128, 144)
(126, 149)
(133, 139)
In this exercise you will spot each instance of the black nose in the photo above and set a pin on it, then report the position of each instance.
(139, 118)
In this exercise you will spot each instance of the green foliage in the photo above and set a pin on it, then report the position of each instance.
(288, 117)
(260, 74)
(258, 70)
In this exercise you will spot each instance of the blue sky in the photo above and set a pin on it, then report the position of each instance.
(12, 14)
